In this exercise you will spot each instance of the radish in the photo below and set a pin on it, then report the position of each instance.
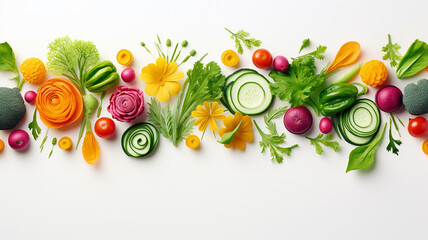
(30, 96)
(298, 120)
(19, 140)
(128, 75)
(326, 125)
(389, 98)
(280, 63)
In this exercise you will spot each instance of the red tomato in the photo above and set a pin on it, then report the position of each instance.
(105, 127)
(418, 127)
(262, 58)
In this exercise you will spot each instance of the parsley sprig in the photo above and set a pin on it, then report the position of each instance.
(273, 139)
(326, 140)
(391, 52)
(243, 37)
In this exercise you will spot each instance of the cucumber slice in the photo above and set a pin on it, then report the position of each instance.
(140, 139)
(250, 94)
(229, 81)
(232, 77)
(359, 124)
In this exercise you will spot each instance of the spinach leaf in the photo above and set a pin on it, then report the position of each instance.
(363, 156)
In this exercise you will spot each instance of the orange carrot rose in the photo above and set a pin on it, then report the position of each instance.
(59, 102)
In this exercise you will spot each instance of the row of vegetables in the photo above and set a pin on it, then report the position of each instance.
(84, 79)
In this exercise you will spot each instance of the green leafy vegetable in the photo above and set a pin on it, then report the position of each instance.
(8, 63)
(298, 84)
(242, 36)
(415, 60)
(363, 156)
(391, 52)
(326, 140)
(305, 43)
(392, 141)
(34, 126)
(227, 138)
(71, 58)
(273, 140)
(203, 83)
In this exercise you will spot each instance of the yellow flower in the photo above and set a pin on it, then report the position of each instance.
(161, 79)
(244, 133)
(208, 115)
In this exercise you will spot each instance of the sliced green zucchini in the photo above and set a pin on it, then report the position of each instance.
(140, 139)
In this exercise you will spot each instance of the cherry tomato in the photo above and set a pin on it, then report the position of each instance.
(418, 127)
(262, 58)
(105, 127)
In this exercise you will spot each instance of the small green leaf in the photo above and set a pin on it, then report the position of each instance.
(227, 138)
(305, 43)
(34, 126)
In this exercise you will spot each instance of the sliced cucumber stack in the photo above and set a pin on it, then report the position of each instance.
(140, 139)
(247, 92)
(359, 124)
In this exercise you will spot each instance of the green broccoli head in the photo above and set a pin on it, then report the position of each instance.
(415, 97)
(12, 108)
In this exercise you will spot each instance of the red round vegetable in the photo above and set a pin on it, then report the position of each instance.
(280, 63)
(418, 127)
(262, 58)
(19, 140)
(298, 120)
(326, 125)
(389, 98)
(128, 75)
(30, 96)
(105, 127)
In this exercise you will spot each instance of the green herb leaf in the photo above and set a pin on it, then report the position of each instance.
(227, 138)
(363, 156)
(274, 113)
(305, 43)
(34, 126)
(242, 37)
(415, 60)
(273, 140)
(392, 141)
(326, 140)
(391, 52)
(42, 145)
(103, 94)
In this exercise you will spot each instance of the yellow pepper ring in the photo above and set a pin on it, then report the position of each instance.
(229, 58)
(124, 57)
(65, 143)
(192, 141)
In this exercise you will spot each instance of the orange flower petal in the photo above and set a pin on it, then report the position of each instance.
(213, 125)
(229, 123)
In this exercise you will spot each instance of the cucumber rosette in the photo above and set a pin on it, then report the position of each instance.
(126, 104)
(140, 139)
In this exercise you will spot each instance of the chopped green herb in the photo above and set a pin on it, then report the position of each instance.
(326, 140)
(34, 126)
(305, 43)
(242, 37)
(391, 52)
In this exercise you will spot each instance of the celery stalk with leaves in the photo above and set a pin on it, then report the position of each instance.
(72, 58)
(203, 83)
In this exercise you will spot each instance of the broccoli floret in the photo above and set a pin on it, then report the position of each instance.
(12, 108)
(415, 97)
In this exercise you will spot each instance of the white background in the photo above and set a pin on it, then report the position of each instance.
(212, 193)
